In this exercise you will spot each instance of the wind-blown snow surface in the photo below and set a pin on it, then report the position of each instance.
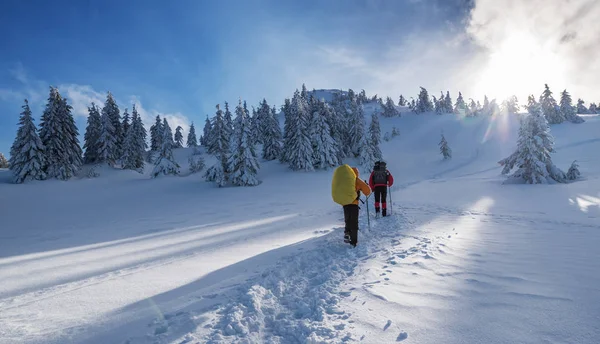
(463, 259)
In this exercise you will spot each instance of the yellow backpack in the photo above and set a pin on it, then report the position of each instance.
(343, 185)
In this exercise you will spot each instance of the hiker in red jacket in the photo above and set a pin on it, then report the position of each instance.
(379, 181)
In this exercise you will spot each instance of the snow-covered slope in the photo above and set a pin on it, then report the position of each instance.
(127, 259)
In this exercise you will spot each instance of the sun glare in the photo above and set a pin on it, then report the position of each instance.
(520, 66)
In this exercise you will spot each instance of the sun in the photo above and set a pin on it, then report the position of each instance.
(520, 65)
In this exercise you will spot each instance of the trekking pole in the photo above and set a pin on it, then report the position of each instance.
(368, 215)
(390, 193)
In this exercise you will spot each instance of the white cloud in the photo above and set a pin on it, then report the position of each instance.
(80, 97)
(149, 116)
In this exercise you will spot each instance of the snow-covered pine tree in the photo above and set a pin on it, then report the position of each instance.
(593, 108)
(112, 110)
(325, 152)
(375, 136)
(263, 117)
(424, 103)
(573, 172)
(165, 163)
(156, 134)
(486, 106)
(192, 141)
(27, 153)
(472, 109)
(356, 127)
(58, 133)
(92, 135)
(178, 137)
(206, 133)
(549, 107)
(300, 145)
(3, 161)
(243, 162)
(169, 134)
(108, 140)
(125, 124)
(460, 108)
(367, 156)
(532, 157)
(227, 125)
(448, 107)
(272, 137)
(581, 109)
(532, 104)
(218, 140)
(444, 148)
(286, 108)
(389, 109)
(135, 144)
(402, 101)
(568, 111)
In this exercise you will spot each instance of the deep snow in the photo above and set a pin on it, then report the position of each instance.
(126, 259)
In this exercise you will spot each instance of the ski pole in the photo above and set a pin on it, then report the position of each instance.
(368, 215)
(391, 204)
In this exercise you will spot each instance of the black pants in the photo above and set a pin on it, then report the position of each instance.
(351, 219)
(381, 197)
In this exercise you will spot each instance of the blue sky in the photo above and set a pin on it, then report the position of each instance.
(180, 58)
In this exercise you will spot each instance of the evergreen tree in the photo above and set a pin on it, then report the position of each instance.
(402, 101)
(135, 144)
(532, 104)
(375, 136)
(192, 141)
(58, 133)
(206, 132)
(27, 153)
(218, 140)
(227, 124)
(532, 157)
(165, 163)
(581, 109)
(125, 125)
(550, 108)
(472, 109)
(593, 108)
(300, 145)
(367, 154)
(112, 110)
(424, 103)
(325, 153)
(244, 163)
(261, 122)
(356, 127)
(287, 129)
(3, 161)
(168, 133)
(486, 106)
(156, 134)
(567, 110)
(272, 139)
(445, 149)
(573, 172)
(389, 109)
(448, 108)
(460, 107)
(178, 137)
(92, 136)
(108, 140)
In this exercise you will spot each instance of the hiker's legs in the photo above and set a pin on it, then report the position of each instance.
(351, 217)
(377, 192)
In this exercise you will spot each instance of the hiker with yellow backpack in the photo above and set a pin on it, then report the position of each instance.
(346, 187)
